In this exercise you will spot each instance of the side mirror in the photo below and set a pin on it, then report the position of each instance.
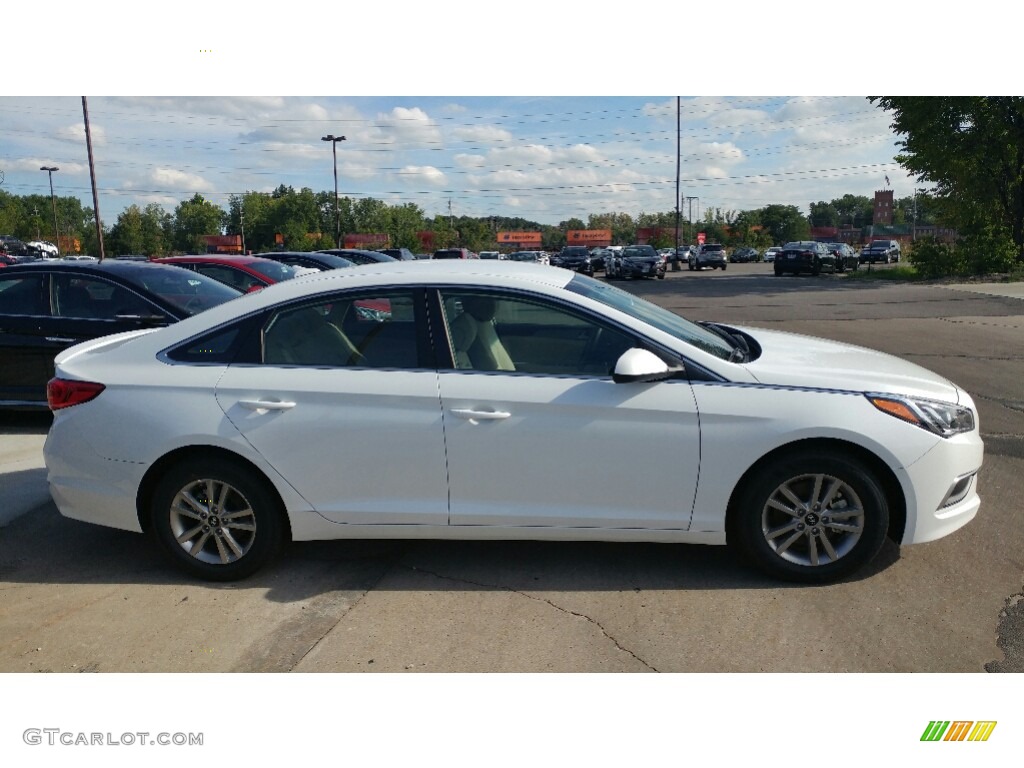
(639, 365)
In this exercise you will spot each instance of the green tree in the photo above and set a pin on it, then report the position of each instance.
(854, 210)
(824, 215)
(971, 148)
(785, 223)
(194, 218)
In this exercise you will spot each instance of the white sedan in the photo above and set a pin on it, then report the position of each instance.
(468, 401)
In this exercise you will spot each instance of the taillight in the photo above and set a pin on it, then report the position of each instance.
(63, 393)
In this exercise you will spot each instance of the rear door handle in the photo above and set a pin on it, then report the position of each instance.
(475, 417)
(266, 405)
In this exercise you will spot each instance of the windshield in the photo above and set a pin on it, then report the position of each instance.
(662, 319)
(273, 269)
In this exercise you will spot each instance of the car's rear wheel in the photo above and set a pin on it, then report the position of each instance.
(216, 519)
(810, 517)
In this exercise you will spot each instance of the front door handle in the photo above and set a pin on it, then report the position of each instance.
(266, 405)
(475, 417)
(60, 340)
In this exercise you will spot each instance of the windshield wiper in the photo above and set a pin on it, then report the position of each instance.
(740, 349)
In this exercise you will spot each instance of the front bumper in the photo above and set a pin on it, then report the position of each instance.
(934, 475)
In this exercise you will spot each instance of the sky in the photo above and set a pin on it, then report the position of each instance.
(545, 159)
(537, 111)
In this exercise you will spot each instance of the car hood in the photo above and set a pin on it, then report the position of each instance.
(792, 360)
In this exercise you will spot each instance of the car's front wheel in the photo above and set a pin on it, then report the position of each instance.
(216, 519)
(810, 517)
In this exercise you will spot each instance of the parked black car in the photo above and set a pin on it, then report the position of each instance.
(359, 256)
(745, 255)
(454, 253)
(48, 306)
(846, 257)
(401, 254)
(576, 258)
(804, 256)
(309, 260)
(635, 261)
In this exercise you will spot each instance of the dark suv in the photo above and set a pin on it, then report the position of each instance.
(576, 258)
(885, 251)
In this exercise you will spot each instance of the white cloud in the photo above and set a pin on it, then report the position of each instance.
(186, 182)
(481, 133)
(76, 134)
(424, 173)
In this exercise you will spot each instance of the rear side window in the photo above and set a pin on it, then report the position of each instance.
(365, 330)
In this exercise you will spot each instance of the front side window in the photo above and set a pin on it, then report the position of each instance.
(375, 330)
(235, 278)
(503, 332)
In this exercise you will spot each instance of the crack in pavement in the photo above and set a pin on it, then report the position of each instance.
(559, 608)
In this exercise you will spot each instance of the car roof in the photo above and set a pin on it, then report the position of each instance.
(215, 259)
(119, 267)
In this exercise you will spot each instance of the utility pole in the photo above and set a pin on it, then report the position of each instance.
(50, 169)
(241, 220)
(337, 216)
(679, 213)
(92, 175)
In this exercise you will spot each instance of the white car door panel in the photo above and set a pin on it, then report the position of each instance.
(569, 452)
(361, 446)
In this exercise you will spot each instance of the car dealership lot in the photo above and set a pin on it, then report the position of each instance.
(79, 597)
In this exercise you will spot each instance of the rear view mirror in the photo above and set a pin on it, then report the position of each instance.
(639, 365)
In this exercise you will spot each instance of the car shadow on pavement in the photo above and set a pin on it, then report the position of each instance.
(44, 548)
(25, 422)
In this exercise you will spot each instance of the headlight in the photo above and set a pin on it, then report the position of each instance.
(944, 419)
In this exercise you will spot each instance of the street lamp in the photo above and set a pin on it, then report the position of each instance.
(53, 203)
(337, 216)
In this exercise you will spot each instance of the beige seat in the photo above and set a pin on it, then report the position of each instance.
(475, 340)
(305, 337)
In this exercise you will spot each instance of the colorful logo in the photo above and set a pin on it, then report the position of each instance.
(958, 730)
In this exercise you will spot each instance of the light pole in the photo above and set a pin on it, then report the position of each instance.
(53, 203)
(337, 216)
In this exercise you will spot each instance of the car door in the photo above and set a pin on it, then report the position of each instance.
(343, 403)
(529, 402)
(26, 356)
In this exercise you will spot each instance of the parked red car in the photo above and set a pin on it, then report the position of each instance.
(246, 273)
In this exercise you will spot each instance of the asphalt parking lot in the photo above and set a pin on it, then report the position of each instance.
(77, 597)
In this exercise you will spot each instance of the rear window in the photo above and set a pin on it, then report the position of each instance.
(451, 253)
(713, 247)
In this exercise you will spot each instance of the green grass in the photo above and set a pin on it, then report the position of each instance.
(900, 273)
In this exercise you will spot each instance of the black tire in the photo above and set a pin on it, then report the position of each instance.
(692, 267)
(661, 275)
(813, 542)
(816, 267)
(778, 272)
(723, 267)
(231, 546)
